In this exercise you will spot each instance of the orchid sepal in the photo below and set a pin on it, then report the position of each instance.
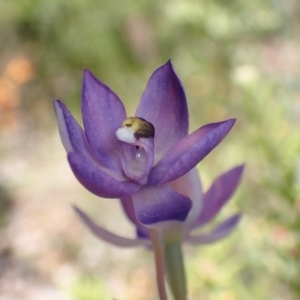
(108, 236)
(189, 152)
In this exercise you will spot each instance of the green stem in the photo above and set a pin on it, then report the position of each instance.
(158, 248)
(175, 269)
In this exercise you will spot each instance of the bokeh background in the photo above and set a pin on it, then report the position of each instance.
(235, 58)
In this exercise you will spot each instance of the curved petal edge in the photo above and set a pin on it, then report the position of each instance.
(71, 133)
(219, 194)
(220, 232)
(163, 103)
(128, 207)
(189, 152)
(160, 204)
(102, 114)
(97, 179)
(108, 236)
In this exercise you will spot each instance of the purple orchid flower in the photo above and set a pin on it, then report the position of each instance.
(147, 161)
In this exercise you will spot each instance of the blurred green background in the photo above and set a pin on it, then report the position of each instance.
(235, 59)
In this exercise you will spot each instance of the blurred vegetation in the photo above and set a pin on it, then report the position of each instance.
(235, 58)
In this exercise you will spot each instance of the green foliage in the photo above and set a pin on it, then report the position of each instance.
(86, 288)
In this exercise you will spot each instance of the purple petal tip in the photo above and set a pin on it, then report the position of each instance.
(168, 65)
(235, 219)
(88, 75)
(231, 121)
(240, 169)
(58, 105)
(89, 78)
(56, 102)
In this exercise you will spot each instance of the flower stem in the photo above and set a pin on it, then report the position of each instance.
(175, 269)
(158, 248)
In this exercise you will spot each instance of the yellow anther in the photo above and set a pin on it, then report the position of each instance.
(140, 127)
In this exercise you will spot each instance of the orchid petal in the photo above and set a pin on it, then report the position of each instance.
(163, 103)
(219, 193)
(71, 134)
(189, 185)
(97, 180)
(102, 113)
(221, 231)
(160, 204)
(128, 208)
(189, 152)
(107, 236)
(92, 175)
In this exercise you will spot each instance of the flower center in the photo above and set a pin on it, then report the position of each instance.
(135, 160)
(137, 152)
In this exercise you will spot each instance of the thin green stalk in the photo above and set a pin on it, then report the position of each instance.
(158, 249)
(175, 269)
